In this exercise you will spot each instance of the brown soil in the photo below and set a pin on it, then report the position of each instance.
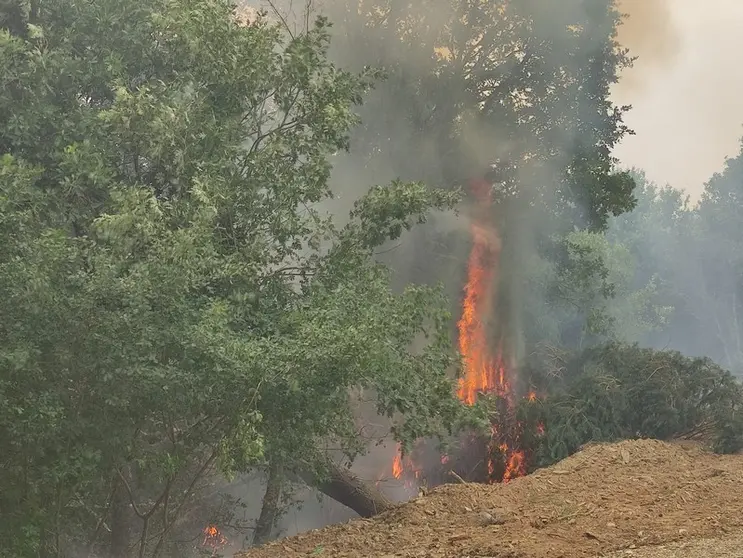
(606, 498)
(725, 547)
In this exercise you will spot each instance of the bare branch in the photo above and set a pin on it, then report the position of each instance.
(102, 520)
(278, 14)
(168, 522)
(130, 494)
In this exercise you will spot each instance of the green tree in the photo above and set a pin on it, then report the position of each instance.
(694, 253)
(617, 391)
(717, 264)
(594, 295)
(173, 295)
(527, 82)
(468, 83)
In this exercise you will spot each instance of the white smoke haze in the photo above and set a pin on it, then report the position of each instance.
(403, 152)
(686, 92)
(651, 34)
(686, 89)
(687, 112)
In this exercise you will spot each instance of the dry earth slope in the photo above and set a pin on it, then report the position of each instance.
(609, 499)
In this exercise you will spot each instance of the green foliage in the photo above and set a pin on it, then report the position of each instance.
(594, 295)
(172, 293)
(522, 81)
(615, 391)
(596, 290)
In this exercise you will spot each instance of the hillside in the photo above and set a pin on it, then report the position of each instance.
(606, 498)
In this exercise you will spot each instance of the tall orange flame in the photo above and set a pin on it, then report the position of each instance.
(397, 468)
(483, 371)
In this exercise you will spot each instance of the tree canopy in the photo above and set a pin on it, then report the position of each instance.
(173, 293)
(522, 84)
(693, 253)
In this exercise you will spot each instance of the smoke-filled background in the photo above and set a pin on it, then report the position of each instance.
(684, 88)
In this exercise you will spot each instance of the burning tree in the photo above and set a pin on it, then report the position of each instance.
(485, 370)
(213, 539)
(487, 83)
(174, 298)
(500, 454)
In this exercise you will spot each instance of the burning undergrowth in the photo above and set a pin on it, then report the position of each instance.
(504, 453)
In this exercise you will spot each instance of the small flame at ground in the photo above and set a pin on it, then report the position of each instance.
(406, 469)
(213, 537)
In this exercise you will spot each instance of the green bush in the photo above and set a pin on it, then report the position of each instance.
(615, 391)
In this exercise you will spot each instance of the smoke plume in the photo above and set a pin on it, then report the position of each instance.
(686, 112)
(651, 35)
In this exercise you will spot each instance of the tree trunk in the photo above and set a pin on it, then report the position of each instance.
(120, 527)
(270, 508)
(343, 486)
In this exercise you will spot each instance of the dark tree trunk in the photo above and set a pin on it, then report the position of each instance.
(343, 486)
(270, 508)
(120, 523)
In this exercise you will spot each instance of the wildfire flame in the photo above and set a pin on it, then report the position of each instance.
(213, 537)
(483, 371)
(406, 469)
(397, 468)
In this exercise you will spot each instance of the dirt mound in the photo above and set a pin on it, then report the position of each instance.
(721, 547)
(606, 498)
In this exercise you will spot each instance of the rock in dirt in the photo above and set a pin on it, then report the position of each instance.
(487, 518)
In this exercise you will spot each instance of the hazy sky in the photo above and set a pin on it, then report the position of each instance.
(687, 93)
